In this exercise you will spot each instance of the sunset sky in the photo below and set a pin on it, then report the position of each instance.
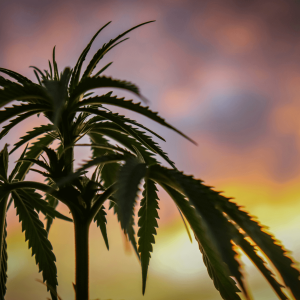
(227, 74)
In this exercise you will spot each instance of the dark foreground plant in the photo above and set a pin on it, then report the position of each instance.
(124, 156)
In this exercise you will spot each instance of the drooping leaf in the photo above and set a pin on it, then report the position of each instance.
(128, 180)
(266, 242)
(3, 265)
(271, 247)
(33, 153)
(41, 205)
(29, 92)
(4, 162)
(32, 134)
(39, 163)
(129, 142)
(129, 231)
(101, 222)
(20, 78)
(90, 83)
(119, 119)
(215, 221)
(139, 135)
(106, 47)
(14, 122)
(37, 240)
(257, 260)
(129, 104)
(5, 82)
(78, 66)
(217, 270)
(147, 226)
(15, 110)
(17, 165)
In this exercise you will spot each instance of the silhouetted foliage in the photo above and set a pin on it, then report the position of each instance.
(124, 156)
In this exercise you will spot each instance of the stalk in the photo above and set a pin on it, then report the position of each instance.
(3, 204)
(81, 227)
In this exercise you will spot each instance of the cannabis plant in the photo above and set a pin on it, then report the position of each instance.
(124, 157)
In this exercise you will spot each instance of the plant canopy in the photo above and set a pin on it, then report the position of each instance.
(124, 158)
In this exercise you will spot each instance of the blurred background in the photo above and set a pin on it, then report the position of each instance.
(227, 74)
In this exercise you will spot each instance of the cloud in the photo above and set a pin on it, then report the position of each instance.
(238, 118)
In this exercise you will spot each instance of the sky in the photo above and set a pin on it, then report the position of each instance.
(227, 74)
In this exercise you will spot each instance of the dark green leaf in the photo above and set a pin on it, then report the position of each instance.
(128, 142)
(103, 69)
(34, 152)
(4, 162)
(131, 234)
(38, 162)
(105, 48)
(139, 135)
(32, 134)
(147, 226)
(17, 165)
(257, 260)
(185, 225)
(5, 82)
(128, 104)
(55, 69)
(53, 159)
(97, 139)
(101, 222)
(215, 221)
(109, 174)
(15, 110)
(77, 69)
(44, 76)
(267, 243)
(128, 180)
(90, 83)
(29, 93)
(58, 92)
(37, 77)
(129, 231)
(15, 121)
(217, 270)
(20, 78)
(96, 161)
(121, 119)
(41, 205)
(52, 202)
(37, 240)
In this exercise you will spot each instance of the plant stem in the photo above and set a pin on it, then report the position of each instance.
(3, 204)
(81, 226)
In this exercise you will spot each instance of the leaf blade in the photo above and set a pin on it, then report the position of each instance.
(37, 240)
(148, 213)
(128, 180)
(101, 221)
